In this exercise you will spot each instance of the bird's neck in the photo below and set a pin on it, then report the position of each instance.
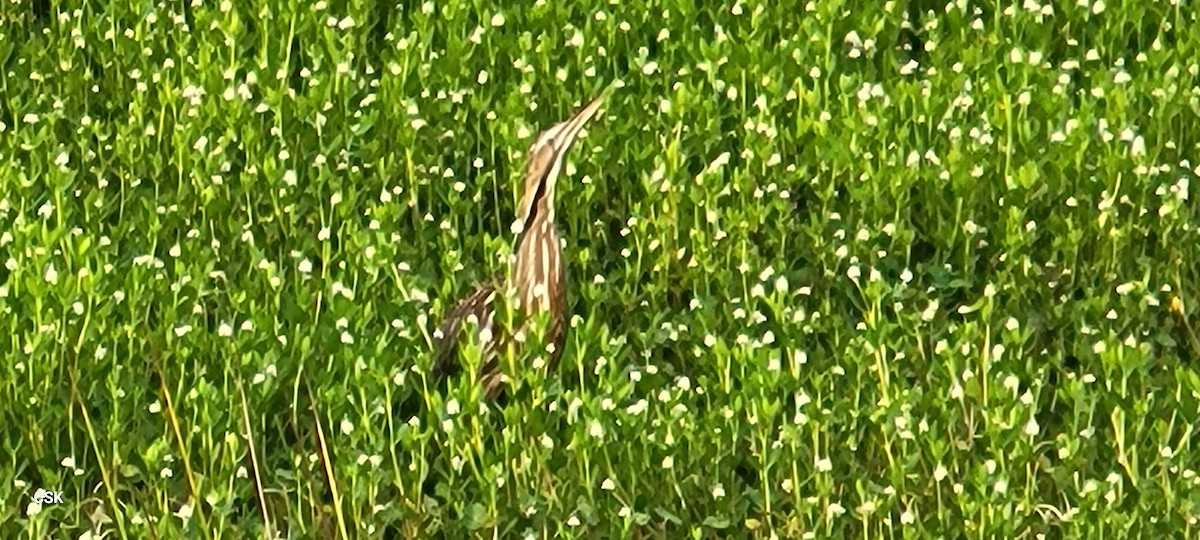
(543, 207)
(539, 213)
(538, 265)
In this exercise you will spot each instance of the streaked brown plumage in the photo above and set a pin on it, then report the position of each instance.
(538, 274)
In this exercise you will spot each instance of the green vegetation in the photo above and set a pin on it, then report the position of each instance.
(840, 270)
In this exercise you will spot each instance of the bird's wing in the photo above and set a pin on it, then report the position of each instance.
(446, 338)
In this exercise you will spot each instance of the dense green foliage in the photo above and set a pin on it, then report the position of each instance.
(839, 269)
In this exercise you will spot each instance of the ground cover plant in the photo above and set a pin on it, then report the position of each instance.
(839, 269)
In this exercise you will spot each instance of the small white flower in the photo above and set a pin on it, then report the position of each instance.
(595, 429)
(1138, 146)
(1032, 428)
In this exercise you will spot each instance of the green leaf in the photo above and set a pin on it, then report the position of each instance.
(667, 515)
(474, 517)
(718, 521)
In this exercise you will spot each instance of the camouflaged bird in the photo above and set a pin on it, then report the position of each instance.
(538, 276)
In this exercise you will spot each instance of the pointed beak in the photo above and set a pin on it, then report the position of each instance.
(570, 129)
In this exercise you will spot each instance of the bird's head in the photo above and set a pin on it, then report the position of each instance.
(547, 155)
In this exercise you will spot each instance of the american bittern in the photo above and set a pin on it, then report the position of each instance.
(538, 276)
